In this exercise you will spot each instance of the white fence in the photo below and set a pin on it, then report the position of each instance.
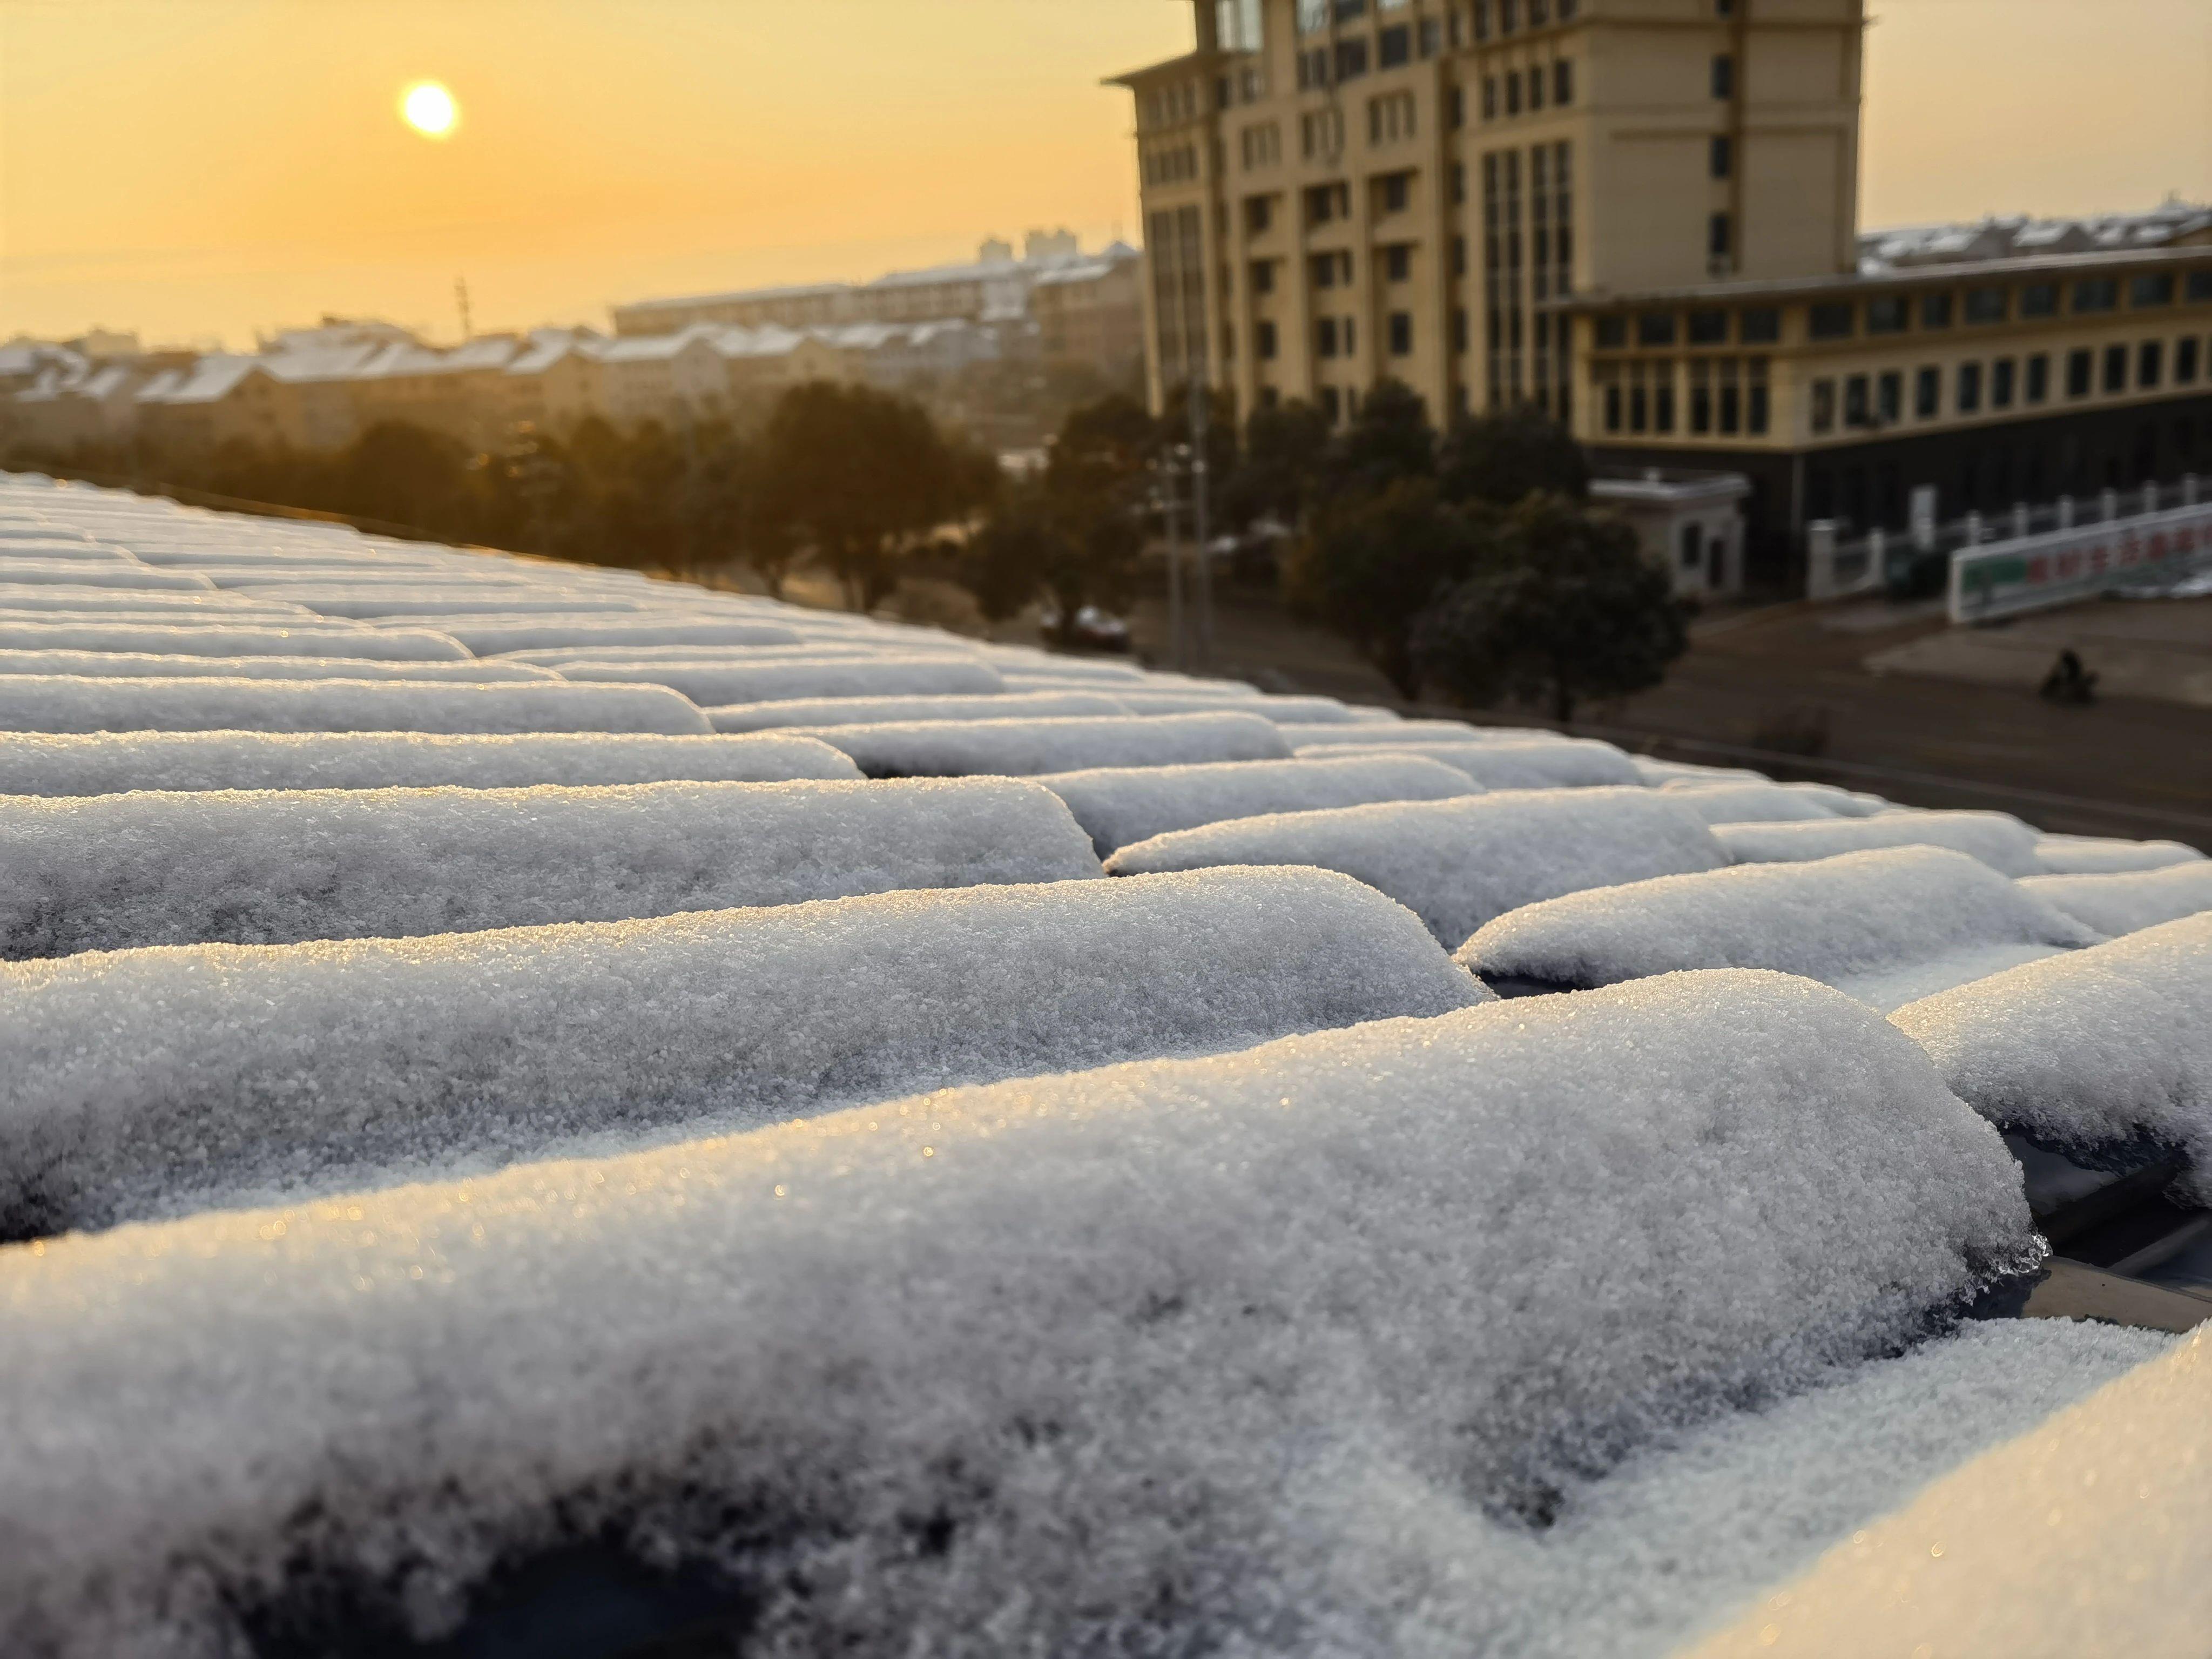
(2002, 579)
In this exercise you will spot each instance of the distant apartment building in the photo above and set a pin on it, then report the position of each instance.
(1640, 216)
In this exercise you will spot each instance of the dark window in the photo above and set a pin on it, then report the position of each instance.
(1656, 328)
(1459, 256)
(1324, 268)
(1397, 192)
(1986, 305)
(1709, 327)
(1401, 334)
(1831, 321)
(1325, 336)
(2116, 368)
(1509, 15)
(1536, 87)
(1720, 155)
(1458, 182)
(1612, 333)
(1927, 393)
(1701, 406)
(1456, 107)
(1858, 406)
(1755, 415)
(1693, 546)
(2039, 300)
(1394, 46)
(1762, 325)
(1719, 236)
(1351, 336)
(1332, 403)
(1723, 76)
(1398, 263)
(1729, 407)
(2080, 371)
(2151, 364)
(1613, 408)
(1490, 98)
(1459, 336)
(2096, 294)
(1886, 316)
(2002, 374)
(1824, 406)
(1432, 36)
(1263, 339)
(2039, 378)
(1662, 406)
(2155, 289)
(1351, 59)
(1259, 214)
(1639, 408)
(1970, 388)
(1935, 310)
(1512, 94)
(1320, 203)
(1889, 398)
(1563, 81)
(1263, 276)
(2185, 361)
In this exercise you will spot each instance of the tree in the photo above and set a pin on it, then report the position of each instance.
(865, 477)
(1503, 458)
(1561, 605)
(1284, 446)
(1390, 440)
(1372, 565)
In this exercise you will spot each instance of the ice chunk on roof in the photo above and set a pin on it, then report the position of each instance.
(2131, 900)
(145, 665)
(2087, 855)
(876, 711)
(113, 762)
(488, 639)
(209, 637)
(1541, 763)
(1125, 804)
(715, 685)
(2098, 1054)
(1997, 839)
(136, 1082)
(1752, 803)
(1022, 748)
(1414, 1272)
(1875, 924)
(1457, 864)
(109, 872)
(80, 703)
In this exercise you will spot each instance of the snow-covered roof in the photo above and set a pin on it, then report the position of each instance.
(534, 1095)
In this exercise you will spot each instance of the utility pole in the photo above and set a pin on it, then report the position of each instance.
(1201, 514)
(461, 295)
(1167, 465)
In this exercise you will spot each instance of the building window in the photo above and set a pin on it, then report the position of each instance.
(2003, 373)
(1613, 406)
(2116, 368)
(2150, 365)
(1889, 396)
(1259, 214)
(1459, 329)
(1831, 321)
(1325, 336)
(1390, 118)
(1723, 76)
(1720, 236)
(1394, 46)
(2081, 368)
(1323, 268)
(2185, 361)
(1263, 276)
(2155, 289)
(1397, 192)
(2096, 294)
(1459, 256)
(1709, 327)
(1490, 98)
(1455, 107)
(1513, 95)
(1398, 262)
(1824, 406)
(1331, 404)
(1986, 305)
(1858, 401)
(1755, 415)
(1720, 155)
(2200, 286)
(1351, 59)
(1927, 393)
(1662, 398)
(2039, 300)
(2039, 378)
(1401, 334)
(1886, 316)
(1701, 397)
(1935, 310)
(1263, 340)
(1431, 36)
(1458, 183)
(1351, 336)
(1509, 15)
(1731, 401)
(1612, 333)
(1536, 87)
(1563, 81)
(1656, 328)
(1762, 325)
(1970, 388)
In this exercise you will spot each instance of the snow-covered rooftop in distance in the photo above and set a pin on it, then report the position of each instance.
(531, 1094)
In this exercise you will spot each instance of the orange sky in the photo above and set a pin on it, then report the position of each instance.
(201, 168)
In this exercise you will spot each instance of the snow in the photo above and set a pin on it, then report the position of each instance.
(114, 763)
(960, 1363)
(1119, 806)
(2097, 1056)
(1020, 748)
(1997, 839)
(2098, 855)
(1885, 926)
(211, 638)
(1457, 864)
(87, 572)
(715, 685)
(1409, 730)
(1539, 763)
(143, 665)
(78, 703)
(1658, 772)
(109, 872)
(488, 639)
(2131, 900)
(872, 711)
(1282, 709)
(79, 602)
(492, 606)
(1751, 803)
(148, 1081)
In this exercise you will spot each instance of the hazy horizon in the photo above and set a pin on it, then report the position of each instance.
(203, 169)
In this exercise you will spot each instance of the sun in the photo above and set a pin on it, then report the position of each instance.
(430, 109)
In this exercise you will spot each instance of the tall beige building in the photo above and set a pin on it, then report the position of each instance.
(1641, 216)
